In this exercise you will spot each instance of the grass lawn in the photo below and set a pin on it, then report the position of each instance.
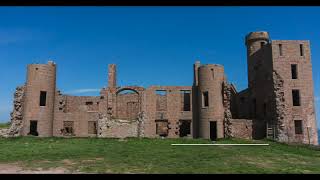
(4, 125)
(94, 155)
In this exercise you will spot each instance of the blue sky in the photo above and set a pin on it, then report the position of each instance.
(150, 45)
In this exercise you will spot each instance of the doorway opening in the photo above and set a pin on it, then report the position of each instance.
(213, 130)
(33, 128)
(185, 129)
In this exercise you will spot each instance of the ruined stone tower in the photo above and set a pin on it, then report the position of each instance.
(280, 94)
(39, 99)
(209, 80)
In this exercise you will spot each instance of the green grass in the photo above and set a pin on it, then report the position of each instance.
(4, 125)
(94, 155)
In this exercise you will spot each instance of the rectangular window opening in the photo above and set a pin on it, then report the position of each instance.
(68, 128)
(301, 50)
(89, 103)
(296, 97)
(205, 99)
(161, 92)
(43, 98)
(186, 98)
(162, 128)
(298, 126)
(294, 71)
(280, 49)
(161, 103)
(92, 127)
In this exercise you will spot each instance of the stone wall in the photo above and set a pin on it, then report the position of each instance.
(120, 128)
(241, 128)
(17, 113)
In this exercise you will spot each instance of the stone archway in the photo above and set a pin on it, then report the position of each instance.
(128, 104)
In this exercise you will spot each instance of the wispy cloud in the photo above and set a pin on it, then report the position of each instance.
(81, 91)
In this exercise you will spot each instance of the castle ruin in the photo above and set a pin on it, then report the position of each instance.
(278, 103)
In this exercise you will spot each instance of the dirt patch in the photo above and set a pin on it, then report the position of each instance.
(17, 169)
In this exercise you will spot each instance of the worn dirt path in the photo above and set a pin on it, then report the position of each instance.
(16, 169)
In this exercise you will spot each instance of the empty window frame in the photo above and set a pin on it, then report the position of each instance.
(184, 128)
(294, 71)
(68, 128)
(280, 50)
(205, 99)
(262, 44)
(89, 103)
(298, 126)
(295, 97)
(301, 50)
(43, 98)
(186, 100)
(162, 128)
(161, 104)
(92, 127)
(212, 73)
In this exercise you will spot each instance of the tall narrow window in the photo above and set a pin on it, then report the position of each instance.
(161, 102)
(298, 126)
(43, 98)
(294, 71)
(205, 99)
(186, 98)
(280, 49)
(212, 73)
(301, 50)
(296, 97)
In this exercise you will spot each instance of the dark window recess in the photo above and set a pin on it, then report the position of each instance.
(43, 98)
(33, 128)
(212, 73)
(298, 126)
(301, 50)
(280, 49)
(294, 71)
(186, 98)
(184, 129)
(205, 99)
(296, 97)
(262, 44)
(89, 103)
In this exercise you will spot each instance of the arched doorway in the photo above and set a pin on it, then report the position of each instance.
(127, 104)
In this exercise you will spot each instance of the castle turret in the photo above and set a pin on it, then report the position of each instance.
(255, 42)
(210, 100)
(39, 99)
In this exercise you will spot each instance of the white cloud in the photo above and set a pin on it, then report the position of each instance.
(80, 91)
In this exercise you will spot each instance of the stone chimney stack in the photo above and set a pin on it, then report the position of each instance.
(112, 76)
